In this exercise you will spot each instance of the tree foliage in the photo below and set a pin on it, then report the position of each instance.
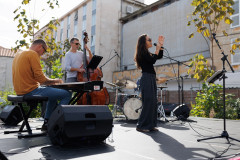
(210, 98)
(208, 14)
(200, 68)
(51, 61)
(26, 26)
(206, 17)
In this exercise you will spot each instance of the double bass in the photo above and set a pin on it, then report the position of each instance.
(95, 97)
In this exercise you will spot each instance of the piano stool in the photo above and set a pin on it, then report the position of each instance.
(32, 103)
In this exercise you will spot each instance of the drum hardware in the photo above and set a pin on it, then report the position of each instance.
(160, 107)
(116, 106)
(136, 110)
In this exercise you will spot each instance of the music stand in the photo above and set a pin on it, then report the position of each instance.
(217, 75)
(94, 62)
(221, 74)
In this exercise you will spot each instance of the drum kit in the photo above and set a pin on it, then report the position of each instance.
(131, 105)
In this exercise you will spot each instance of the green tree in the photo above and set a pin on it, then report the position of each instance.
(206, 17)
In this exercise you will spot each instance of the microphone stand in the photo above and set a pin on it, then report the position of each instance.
(178, 78)
(224, 133)
(108, 60)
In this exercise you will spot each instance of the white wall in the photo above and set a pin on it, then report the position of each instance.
(6, 73)
(170, 21)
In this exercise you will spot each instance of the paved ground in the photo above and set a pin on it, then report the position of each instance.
(175, 140)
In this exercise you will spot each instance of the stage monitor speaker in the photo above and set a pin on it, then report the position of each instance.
(182, 112)
(11, 115)
(79, 124)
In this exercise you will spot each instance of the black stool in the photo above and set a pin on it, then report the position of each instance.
(32, 102)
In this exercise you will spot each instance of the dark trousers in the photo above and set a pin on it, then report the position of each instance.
(148, 117)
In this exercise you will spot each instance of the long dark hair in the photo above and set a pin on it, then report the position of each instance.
(141, 49)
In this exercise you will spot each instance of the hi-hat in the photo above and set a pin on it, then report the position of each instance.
(161, 80)
(126, 83)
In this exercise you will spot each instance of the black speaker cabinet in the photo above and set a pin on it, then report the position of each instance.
(11, 115)
(78, 124)
(182, 112)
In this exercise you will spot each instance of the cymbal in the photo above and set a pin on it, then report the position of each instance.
(161, 80)
(126, 83)
(161, 87)
(112, 84)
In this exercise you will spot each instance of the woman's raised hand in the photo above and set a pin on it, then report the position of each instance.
(161, 40)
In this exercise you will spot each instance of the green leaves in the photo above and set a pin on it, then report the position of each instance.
(199, 68)
(208, 14)
(191, 35)
(210, 99)
(27, 26)
(228, 20)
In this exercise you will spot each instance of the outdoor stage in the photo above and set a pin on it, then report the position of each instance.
(175, 140)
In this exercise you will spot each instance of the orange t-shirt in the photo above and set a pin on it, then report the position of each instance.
(27, 72)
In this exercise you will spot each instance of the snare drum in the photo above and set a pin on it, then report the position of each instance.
(132, 108)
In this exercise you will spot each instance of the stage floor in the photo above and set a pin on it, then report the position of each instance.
(175, 140)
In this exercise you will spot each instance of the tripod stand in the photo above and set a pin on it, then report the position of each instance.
(115, 107)
(224, 133)
(160, 107)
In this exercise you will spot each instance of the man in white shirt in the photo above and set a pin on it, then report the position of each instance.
(74, 60)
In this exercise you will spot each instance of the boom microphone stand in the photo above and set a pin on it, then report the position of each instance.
(109, 60)
(178, 78)
(224, 133)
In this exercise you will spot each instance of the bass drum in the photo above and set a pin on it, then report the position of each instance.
(132, 108)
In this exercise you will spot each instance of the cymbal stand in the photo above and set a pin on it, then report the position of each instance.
(116, 107)
(161, 109)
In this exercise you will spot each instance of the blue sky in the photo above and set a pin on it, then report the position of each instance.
(8, 28)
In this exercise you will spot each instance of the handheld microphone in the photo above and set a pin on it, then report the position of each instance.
(155, 44)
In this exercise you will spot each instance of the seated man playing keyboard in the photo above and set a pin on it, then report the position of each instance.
(28, 76)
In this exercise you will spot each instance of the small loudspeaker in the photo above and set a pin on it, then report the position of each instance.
(78, 124)
(182, 112)
(11, 115)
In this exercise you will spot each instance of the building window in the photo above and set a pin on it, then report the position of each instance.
(94, 4)
(68, 26)
(93, 19)
(235, 59)
(75, 23)
(93, 28)
(235, 16)
(84, 22)
(93, 38)
(85, 10)
(55, 36)
(61, 31)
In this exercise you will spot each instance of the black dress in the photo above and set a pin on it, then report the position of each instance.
(148, 117)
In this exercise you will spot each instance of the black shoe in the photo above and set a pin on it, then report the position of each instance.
(44, 127)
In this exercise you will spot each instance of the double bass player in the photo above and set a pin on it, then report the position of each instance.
(74, 60)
